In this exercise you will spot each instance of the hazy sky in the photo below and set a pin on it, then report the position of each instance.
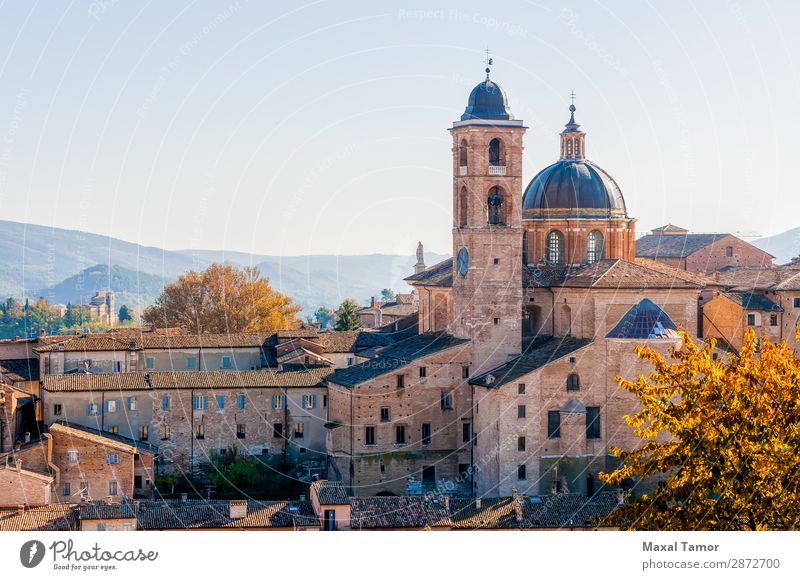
(321, 127)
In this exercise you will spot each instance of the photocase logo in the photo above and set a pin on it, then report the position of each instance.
(31, 553)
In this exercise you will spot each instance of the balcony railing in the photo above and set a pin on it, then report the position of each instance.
(497, 170)
(462, 171)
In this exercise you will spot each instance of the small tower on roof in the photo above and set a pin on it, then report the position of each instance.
(573, 140)
(420, 265)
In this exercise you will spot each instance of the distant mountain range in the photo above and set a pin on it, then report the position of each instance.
(783, 246)
(70, 265)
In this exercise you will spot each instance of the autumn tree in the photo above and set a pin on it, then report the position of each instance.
(222, 299)
(347, 315)
(722, 436)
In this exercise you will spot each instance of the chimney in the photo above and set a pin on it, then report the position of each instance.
(184, 497)
(477, 503)
(109, 500)
(516, 502)
(42, 332)
(447, 502)
(372, 302)
(238, 509)
(620, 496)
(27, 436)
(16, 339)
(18, 464)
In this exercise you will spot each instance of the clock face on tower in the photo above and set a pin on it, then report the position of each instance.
(463, 262)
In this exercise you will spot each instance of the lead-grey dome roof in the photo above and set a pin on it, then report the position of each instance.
(573, 184)
(487, 101)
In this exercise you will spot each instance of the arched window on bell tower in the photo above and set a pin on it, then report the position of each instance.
(462, 208)
(594, 247)
(555, 247)
(462, 155)
(496, 153)
(495, 204)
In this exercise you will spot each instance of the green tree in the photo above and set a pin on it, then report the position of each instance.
(125, 314)
(347, 315)
(231, 470)
(723, 437)
(387, 295)
(325, 317)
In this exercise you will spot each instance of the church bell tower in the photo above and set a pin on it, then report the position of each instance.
(487, 228)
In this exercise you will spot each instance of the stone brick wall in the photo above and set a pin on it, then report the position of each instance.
(92, 467)
(714, 257)
(20, 488)
(386, 465)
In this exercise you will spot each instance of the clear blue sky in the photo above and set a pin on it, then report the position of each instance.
(321, 127)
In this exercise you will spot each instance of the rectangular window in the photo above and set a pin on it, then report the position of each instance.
(797, 302)
(240, 401)
(299, 430)
(521, 443)
(165, 403)
(426, 433)
(423, 372)
(144, 433)
(522, 411)
(464, 372)
(165, 432)
(57, 409)
(277, 430)
(226, 362)
(113, 429)
(85, 488)
(200, 431)
(554, 424)
(65, 490)
(241, 431)
(401, 381)
(191, 363)
(116, 366)
(150, 363)
(200, 402)
(309, 401)
(496, 321)
(351, 361)
(131, 403)
(466, 432)
(221, 402)
(384, 414)
(521, 389)
(751, 320)
(73, 456)
(729, 251)
(400, 435)
(446, 401)
(428, 474)
(522, 472)
(112, 488)
(111, 406)
(278, 401)
(112, 458)
(773, 320)
(324, 400)
(93, 409)
(593, 422)
(369, 435)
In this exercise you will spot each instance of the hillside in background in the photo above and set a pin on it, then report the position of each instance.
(136, 289)
(68, 265)
(783, 246)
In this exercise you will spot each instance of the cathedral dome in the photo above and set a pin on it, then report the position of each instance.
(573, 184)
(487, 101)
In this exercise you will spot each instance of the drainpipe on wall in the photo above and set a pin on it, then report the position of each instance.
(191, 435)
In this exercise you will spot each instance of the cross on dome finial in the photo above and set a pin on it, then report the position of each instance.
(572, 104)
(488, 62)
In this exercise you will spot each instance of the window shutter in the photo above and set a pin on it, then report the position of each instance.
(313, 401)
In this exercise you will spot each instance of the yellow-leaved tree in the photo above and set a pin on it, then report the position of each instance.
(223, 299)
(723, 435)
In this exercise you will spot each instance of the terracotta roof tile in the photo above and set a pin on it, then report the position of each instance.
(330, 492)
(20, 370)
(215, 514)
(440, 274)
(54, 517)
(414, 512)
